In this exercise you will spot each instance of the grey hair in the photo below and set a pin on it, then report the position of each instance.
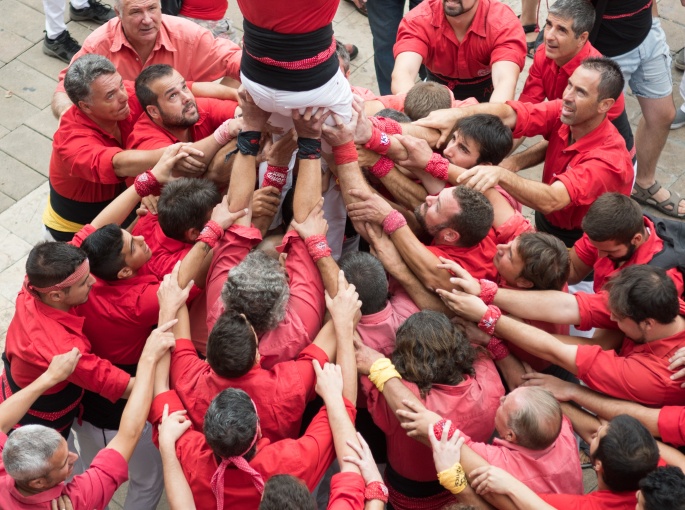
(257, 288)
(28, 451)
(83, 72)
(342, 53)
(581, 12)
(537, 422)
(230, 424)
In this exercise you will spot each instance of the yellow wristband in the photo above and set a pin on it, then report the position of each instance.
(453, 479)
(381, 372)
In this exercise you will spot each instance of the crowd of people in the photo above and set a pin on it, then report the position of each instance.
(263, 287)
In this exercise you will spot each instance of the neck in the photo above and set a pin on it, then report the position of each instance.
(56, 305)
(26, 490)
(108, 126)
(562, 61)
(667, 330)
(580, 130)
(143, 49)
(181, 133)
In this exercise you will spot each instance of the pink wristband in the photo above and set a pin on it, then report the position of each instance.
(147, 184)
(393, 221)
(379, 142)
(488, 290)
(382, 167)
(317, 246)
(275, 176)
(489, 320)
(345, 153)
(222, 134)
(211, 233)
(437, 429)
(497, 349)
(387, 125)
(438, 167)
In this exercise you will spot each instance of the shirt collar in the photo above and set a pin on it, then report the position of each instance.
(587, 142)
(478, 25)
(119, 38)
(34, 499)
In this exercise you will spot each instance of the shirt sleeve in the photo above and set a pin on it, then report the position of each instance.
(594, 311)
(628, 378)
(509, 43)
(98, 375)
(213, 57)
(186, 367)
(95, 487)
(533, 91)
(565, 501)
(671, 425)
(85, 156)
(586, 252)
(411, 36)
(535, 119)
(306, 369)
(379, 409)
(347, 492)
(588, 179)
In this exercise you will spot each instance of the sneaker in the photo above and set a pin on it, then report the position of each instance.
(679, 60)
(96, 11)
(63, 47)
(679, 120)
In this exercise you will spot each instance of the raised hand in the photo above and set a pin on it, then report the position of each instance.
(345, 306)
(223, 216)
(462, 279)
(309, 123)
(364, 460)
(313, 224)
(63, 365)
(446, 452)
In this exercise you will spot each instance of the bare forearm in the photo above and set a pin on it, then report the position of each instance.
(307, 189)
(584, 424)
(132, 162)
(242, 184)
(215, 90)
(512, 369)
(421, 296)
(407, 192)
(351, 177)
(422, 262)
(60, 104)
(15, 407)
(192, 263)
(532, 156)
(544, 198)
(329, 274)
(178, 492)
(544, 305)
(118, 209)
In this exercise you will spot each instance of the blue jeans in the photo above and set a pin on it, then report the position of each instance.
(384, 19)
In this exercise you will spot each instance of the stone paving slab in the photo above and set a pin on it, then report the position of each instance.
(12, 45)
(29, 147)
(27, 83)
(22, 20)
(16, 179)
(14, 110)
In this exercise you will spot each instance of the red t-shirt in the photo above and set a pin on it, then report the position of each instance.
(471, 405)
(595, 164)
(280, 394)
(213, 112)
(546, 80)
(598, 500)
(494, 35)
(477, 260)
(306, 458)
(293, 17)
(672, 425)
(92, 489)
(639, 372)
(212, 10)
(81, 165)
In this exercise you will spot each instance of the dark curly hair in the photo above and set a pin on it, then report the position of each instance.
(431, 350)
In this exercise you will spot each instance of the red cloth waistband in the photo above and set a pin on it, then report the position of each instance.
(298, 65)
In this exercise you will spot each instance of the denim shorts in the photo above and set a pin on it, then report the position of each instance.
(647, 68)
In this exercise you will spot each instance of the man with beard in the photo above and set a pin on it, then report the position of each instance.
(174, 115)
(475, 47)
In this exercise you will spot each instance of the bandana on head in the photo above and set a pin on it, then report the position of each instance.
(82, 270)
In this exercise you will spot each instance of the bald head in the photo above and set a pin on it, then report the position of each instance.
(534, 416)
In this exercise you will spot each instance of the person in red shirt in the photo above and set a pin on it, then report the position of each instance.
(644, 303)
(173, 114)
(574, 175)
(566, 45)
(475, 47)
(89, 165)
(142, 36)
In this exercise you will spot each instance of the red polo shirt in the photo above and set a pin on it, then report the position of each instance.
(306, 458)
(593, 165)
(556, 469)
(494, 35)
(187, 47)
(594, 310)
(672, 425)
(92, 489)
(471, 405)
(280, 394)
(598, 500)
(546, 80)
(639, 372)
(477, 260)
(213, 112)
(81, 165)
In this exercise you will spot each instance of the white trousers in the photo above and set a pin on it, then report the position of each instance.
(54, 15)
(146, 480)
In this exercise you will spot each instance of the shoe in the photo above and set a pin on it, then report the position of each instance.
(352, 50)
(96, 11)
(679, 120)
(63, 47)
(645, 196)
(679, 60)
(361, 10)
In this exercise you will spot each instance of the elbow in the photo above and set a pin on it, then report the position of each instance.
(551, 204)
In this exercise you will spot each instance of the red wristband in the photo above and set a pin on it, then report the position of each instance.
(382, 167)
(438, 167)
(211, 233)
(488, 290)
(437, 429)
(275, 176)
(379, 142)
(497, 349)
(387, 125)
(393, 221)
(317, 246)
(345, 153)
(489, 320)
(147, 184)
(376, 490)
